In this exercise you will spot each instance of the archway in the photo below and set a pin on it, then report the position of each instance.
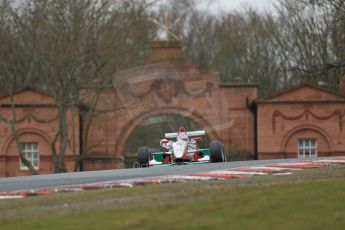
(31, 137)
(289, 143)
(129, 127)
(150, 131)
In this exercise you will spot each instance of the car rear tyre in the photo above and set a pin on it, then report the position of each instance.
(217, 151)
(144, 156)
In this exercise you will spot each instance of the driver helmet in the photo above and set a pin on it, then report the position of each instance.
(164, 142)
(183, 136)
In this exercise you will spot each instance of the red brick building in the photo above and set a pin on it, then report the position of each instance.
(166, 85)
(169, 85)
(302, 121)
(36, 123)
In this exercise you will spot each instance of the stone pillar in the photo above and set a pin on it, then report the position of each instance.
(342, 81)
(342, 84)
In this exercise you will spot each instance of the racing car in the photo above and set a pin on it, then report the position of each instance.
(181, 148)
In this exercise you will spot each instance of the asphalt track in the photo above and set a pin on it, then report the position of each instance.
(11, 184)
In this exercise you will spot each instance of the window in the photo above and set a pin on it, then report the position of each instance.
(31, 152)
(307, 148)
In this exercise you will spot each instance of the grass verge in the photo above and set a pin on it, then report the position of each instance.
(312, 199)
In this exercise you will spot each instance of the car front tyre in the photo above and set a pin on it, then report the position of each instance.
(144, 156)
(217, 152)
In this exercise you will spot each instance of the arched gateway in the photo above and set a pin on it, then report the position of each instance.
(168, 84)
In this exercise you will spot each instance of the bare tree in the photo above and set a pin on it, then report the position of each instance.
(9, 116)
(68, 44)
(11, 77)
(303, 40)
(245, 51)
(200, 39)
(312, 39)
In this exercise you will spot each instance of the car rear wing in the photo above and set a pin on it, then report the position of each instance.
(197, 133)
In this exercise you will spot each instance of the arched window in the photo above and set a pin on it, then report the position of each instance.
(31, 152)
(307, 148)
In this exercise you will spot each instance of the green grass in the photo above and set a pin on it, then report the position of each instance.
(312, 199)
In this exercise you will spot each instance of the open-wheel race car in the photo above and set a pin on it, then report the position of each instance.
(181, 148)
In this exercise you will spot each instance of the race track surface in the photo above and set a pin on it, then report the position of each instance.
(53, 180)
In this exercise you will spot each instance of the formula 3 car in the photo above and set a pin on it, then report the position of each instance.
(181, 148)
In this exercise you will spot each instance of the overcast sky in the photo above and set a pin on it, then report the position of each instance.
(240, 5)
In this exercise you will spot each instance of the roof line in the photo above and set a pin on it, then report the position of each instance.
(301, 85)
(22, 89)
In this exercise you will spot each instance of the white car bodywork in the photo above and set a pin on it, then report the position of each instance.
(181, 146)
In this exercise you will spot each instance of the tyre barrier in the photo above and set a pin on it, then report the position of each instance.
(233, 173)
